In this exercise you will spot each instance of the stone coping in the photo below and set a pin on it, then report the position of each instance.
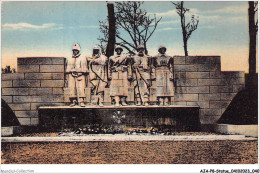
(124, 137)
(114, 107)
(35, 57)
(247, 130)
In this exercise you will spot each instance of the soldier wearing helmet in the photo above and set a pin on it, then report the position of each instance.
(163, 65)
(141, 76)
(97, 76)
(76, 76)
(118, 71)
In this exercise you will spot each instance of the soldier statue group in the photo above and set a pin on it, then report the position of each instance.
(118, 73)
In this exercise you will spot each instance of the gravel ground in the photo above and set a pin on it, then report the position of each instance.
(132, 152)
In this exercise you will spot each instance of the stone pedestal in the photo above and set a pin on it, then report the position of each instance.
(176, 118)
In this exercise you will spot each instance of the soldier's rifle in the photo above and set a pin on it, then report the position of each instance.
(120, 62)
(147, 83)
(91, 69)
(140, 96)
(132, 67)
(172, 68)
(99, 78)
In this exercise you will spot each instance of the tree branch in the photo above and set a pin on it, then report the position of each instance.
(132, 22)
(188, 28)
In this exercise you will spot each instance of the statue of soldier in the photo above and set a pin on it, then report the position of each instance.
(97, 76)
(76, 76)
(164, 76)
(141, 76)
(118, 66)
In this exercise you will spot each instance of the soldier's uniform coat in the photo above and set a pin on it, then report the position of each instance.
(76, 65)
(141, 75)
(118, 65)
(164, 75)
(97, 72)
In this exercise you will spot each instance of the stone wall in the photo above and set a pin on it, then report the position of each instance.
(39, 82)
(199, 81)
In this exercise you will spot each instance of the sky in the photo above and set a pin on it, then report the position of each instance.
(51, 28)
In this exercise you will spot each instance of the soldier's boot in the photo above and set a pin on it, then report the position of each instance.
(101, 100)
(81, 102)
(117, 99)
(172, 100)
(123, 99)
(94, 100)
(160, 101)
(146, 101)
(74, 102)
(166, 101)
(138, 101)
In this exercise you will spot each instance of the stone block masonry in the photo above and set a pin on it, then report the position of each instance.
(39, 82)
(199, 81)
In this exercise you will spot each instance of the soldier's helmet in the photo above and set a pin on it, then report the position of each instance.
(140, 47)
(76, 47)
(161, 48)
(95, 48)
(118, 47)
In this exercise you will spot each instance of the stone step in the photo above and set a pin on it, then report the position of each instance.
(124, 137)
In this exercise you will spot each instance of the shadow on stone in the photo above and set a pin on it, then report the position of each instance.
(243, 110)
(8, 116)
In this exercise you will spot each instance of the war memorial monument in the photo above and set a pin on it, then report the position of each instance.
(184, 93)
(121, 104)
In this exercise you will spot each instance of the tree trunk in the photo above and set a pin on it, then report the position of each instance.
(185, 41)
(112, 30)
(185, 47)
(252, 37)
(146, 51)
(184, 32)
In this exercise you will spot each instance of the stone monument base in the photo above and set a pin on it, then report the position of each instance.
(175, 118)
(247, 130)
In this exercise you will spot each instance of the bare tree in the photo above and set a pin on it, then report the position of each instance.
(188, 28)
(133, 26)
(253, 28)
